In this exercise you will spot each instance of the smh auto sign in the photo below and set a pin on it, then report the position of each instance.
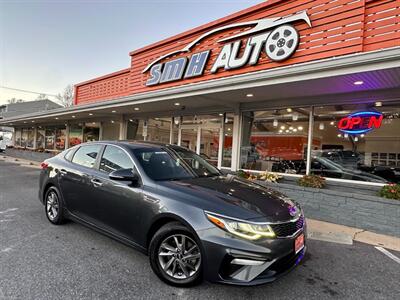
(274, 36)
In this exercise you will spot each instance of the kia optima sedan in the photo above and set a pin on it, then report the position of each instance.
(191, 220)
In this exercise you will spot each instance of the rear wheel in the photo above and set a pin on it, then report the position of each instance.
(175, 255)
(54, 207)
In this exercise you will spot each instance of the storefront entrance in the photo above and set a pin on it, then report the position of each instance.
(203, 139)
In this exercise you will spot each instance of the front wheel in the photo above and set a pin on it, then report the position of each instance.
(54, 207)
(175, 255)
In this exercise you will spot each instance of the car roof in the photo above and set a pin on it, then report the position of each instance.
(133, 144)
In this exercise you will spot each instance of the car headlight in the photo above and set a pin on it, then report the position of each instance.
(250, 231)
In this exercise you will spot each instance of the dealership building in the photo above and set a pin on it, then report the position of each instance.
(294, 87)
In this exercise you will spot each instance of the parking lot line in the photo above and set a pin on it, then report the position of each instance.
(388, 254)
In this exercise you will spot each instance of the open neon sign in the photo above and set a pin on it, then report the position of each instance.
(360, 122)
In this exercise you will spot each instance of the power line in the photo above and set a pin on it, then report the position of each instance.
(26, 91)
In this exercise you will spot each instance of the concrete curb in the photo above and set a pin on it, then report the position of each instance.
(335, 233)
(20, 161)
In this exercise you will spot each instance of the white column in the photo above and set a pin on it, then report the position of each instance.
(171, 131)
(198, 142)
(179, 134)
(221, 142)
(14, 136)
(145, 129)
(236, 136)
(35, 137)
(310, 140)
(123, 129)
(101, 131)
(67, 130)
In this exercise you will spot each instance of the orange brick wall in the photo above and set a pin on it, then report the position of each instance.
(338, 28)
(107, 87)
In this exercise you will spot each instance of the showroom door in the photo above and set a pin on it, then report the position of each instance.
(204, 139)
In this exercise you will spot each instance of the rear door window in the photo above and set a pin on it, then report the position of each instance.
(86, 155)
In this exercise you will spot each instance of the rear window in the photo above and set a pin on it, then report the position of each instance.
(86, 155)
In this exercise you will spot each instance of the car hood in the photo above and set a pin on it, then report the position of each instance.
(235, 197)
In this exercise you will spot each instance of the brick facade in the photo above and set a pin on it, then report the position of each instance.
(339, 28)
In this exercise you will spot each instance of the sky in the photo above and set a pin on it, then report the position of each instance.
(46, 45)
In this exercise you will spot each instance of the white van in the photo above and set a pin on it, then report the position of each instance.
(3, 144)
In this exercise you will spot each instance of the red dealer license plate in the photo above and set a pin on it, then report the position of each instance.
(299, 243)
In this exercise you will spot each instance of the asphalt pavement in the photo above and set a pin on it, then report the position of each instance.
(42, 261)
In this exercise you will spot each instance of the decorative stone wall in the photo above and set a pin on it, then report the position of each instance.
(352, 209)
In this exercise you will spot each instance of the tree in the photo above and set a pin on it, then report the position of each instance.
(41, 97)
(66, 99)
(14, 100)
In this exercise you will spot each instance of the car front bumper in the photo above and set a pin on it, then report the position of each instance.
(236, 261)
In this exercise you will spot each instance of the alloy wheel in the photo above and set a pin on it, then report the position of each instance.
(179, 256)
(52, 205)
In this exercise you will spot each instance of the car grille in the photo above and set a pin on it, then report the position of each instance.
(287, 229)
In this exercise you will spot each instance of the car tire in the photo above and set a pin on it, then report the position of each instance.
(53, 206)
(178, 265)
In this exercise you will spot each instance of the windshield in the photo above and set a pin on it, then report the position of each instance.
(173, 163)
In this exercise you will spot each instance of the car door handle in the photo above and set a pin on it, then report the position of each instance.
(96, 182)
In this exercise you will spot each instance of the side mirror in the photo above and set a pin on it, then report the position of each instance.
(125, 175)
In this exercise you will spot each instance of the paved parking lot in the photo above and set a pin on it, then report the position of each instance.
(42, 261)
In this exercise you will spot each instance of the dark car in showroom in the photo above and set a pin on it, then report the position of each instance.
(193, 222)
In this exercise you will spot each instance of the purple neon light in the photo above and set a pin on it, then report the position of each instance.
(374, 113)
(292, 210)
(356, 131)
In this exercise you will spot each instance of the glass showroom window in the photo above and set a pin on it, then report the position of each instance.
(111, 130)
(201, 133)
(50, 138)
(131, 129)
(30, 138)
(60, 138)
(24, 137)
(275, 140)
(357, 142)
(91, 132)
(75, 135)
(158, 130)
(18, 136)
(40, 138)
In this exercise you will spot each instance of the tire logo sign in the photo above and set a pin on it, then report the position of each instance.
(282, 43)
(275, 36)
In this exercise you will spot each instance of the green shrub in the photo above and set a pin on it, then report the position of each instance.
(313, 181)
(390, 191)
(242, 174)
